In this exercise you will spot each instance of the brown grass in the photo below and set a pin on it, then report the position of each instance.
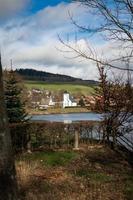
(97, 174)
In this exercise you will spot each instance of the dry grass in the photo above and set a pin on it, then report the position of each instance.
(25, 170)
(96, 174)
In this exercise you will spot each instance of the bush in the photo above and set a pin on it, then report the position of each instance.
(20, 136)
(48, 135)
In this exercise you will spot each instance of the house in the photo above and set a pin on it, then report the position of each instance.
(47, 102)
(68, 100)
(42, 99)
(37, 91)
(51, 101)
(55, 100)
(43, 105)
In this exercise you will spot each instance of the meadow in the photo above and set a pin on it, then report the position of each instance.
(56, 87)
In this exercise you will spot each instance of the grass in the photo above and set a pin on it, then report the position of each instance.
(128, 188)
(93, 173)
(56, 87)
(51, 158)
(94, 176)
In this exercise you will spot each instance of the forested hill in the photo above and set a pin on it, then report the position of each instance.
(34, 75)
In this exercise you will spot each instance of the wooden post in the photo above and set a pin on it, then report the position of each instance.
(76, 142)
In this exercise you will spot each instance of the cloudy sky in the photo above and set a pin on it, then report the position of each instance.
(29, 32)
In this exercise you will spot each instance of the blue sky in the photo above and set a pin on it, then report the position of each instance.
(28, 36)
(37, 5)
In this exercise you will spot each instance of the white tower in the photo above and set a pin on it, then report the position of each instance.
(66, 97)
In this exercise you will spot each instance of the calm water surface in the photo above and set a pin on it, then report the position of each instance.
(71, 117)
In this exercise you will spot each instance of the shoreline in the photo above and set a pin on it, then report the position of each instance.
(59, 111)
(63, 113)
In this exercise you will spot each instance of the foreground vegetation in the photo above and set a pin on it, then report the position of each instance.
(93, 173)
(56, 87)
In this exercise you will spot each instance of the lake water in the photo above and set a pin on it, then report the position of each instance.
(67, 118)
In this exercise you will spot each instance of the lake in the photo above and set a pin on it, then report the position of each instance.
(67, 118)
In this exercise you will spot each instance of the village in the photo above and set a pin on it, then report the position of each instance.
(43, 99)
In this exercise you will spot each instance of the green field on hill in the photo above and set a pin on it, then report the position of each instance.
(56, 87)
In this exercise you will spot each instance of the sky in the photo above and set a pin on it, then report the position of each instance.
(29, 32)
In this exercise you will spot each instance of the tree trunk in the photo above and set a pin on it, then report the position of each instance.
(68, 140)
(8, 184)
(114, 145)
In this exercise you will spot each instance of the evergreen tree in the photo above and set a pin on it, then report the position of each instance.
(8, 183)
(81, 102)
(13, 98)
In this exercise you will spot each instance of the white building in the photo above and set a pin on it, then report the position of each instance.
(51, 101)
(68, 100)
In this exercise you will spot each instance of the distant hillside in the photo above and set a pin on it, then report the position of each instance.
(34, 75)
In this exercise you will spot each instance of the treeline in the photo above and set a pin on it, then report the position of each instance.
(34, 75)
(33, 136)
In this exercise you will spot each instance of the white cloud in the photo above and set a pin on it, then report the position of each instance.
(46, 57)
(31, 42)
(10, 7)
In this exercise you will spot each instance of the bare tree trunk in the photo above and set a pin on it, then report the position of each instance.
(8, 184)
(114, 145)
(68, 140)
